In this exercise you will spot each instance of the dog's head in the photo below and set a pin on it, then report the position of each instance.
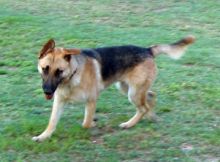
(56, 65)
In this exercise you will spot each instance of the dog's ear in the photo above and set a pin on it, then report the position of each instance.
(70, 52)
(48, 47)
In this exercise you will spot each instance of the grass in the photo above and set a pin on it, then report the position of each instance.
(188, 90)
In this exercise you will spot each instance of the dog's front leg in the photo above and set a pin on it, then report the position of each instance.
(57, 109)
(89, 114)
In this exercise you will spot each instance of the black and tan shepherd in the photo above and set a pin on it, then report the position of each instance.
(72, 75)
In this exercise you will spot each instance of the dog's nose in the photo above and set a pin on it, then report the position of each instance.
(47, 89)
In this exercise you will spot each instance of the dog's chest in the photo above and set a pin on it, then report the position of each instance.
(76, 94)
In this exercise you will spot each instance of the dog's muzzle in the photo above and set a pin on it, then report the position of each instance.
(49, 90)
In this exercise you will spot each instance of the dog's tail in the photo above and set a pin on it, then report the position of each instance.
(174, 50)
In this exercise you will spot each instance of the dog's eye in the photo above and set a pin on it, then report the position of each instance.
(58, 72)
(46, 70)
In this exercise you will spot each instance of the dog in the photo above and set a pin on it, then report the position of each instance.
(81, 74)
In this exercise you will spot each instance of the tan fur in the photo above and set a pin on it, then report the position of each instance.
(86, 85)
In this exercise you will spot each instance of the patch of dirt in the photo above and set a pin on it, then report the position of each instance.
(11, 68)
(189, 64)
(207, 158)
(97, 140)
(97, 134)
(185, 147)
(200, 65)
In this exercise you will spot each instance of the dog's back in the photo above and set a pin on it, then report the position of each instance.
(117, 59)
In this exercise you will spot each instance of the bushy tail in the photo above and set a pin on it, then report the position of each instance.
(174, 50)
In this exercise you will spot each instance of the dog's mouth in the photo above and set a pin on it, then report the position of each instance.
(48, 96)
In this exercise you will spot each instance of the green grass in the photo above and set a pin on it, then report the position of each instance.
(187, 90)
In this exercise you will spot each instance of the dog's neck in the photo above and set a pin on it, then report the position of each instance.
(75, 77)
(74, 72)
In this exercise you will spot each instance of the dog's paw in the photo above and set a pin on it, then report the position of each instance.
(39, 138)
(124, 125)
(89, 125)
(36, 139)
(93, 124)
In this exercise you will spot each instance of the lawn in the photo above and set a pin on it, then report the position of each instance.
(188, 90)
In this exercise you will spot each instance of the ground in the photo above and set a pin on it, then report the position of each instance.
(187, 90)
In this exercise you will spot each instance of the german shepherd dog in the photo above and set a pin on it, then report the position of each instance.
(80, 75)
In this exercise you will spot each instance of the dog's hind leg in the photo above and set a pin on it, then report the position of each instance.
(89, 113)
(150, 95)
(151, 100)
(57, 110)
(138, 97)
(139, 81)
